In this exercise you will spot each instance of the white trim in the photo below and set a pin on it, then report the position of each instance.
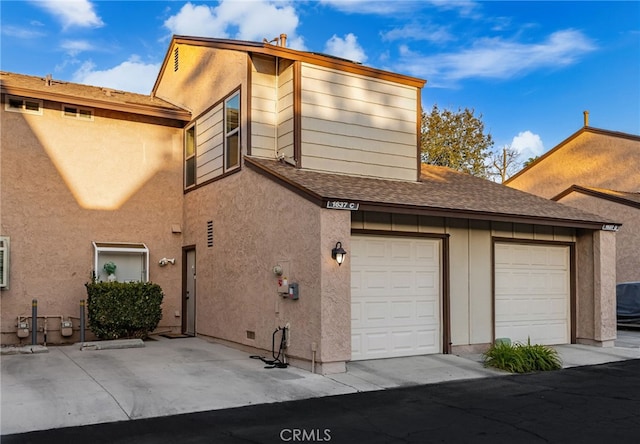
(4, 258)
(77, 115)
(23, 108)
(120, 247)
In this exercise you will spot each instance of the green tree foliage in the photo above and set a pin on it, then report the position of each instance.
(456, 140)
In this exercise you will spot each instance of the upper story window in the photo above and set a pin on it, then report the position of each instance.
(212, 143)
(76, 112)
(232, 131)
(190, 157)
(23, 105)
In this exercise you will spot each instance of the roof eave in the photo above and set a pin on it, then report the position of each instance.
(428, 211)
(95, 103)
(284, 52)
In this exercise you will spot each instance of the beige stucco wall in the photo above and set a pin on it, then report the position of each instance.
(627, 237)
(470, 269)
(204, 76)
(592, 160)
(596, 288)
(259, 224)
(66, 183)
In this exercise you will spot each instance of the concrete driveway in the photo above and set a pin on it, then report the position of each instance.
(67, 386)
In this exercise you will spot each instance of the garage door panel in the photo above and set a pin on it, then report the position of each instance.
(532, 286)
(396, 308)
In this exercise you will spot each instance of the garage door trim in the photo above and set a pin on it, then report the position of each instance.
(444, 275)
(572, 276)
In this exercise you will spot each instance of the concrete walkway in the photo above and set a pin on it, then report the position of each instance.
(67, 386)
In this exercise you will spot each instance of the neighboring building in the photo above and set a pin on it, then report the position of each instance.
(598, 171)
(250, 158)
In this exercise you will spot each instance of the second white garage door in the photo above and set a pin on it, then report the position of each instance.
(395, 297)
(532, 293)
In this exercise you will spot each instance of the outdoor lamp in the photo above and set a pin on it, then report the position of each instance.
(338, 253)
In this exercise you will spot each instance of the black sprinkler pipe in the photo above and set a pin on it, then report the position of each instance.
(34, 322)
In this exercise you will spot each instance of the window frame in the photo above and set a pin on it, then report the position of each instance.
(124, 249)
(192, 157)
(23, 108)
(233, 133)
(77, 115)
(5, 253)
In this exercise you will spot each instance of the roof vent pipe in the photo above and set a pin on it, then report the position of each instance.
(586, 118)
(48, 80)
(283, 40)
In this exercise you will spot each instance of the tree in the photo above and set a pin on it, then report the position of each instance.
(505, 163)
(455, 140)
(529, 161)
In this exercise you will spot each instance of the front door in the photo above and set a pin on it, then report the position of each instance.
(189, 293)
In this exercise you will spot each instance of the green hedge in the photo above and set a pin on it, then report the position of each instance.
(123, 310)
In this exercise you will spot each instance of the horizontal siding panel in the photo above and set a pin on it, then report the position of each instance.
(360, 169)
(356, 80)
(360, 156)
(334, 107)
(263, 91)
(210, 175)
(261, 129)
(286, 126)
(210, 144)
(264, 105)
(342, 134)
(209, 119)
(207, 155)
(263, 117)
(364, 95)
(261, 142)
(205, 136)
(209, 169)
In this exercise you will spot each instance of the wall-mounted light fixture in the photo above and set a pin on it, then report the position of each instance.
(164, 261)
(338, 253)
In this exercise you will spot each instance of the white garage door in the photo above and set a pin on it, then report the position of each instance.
(395, 297)
(532, 293)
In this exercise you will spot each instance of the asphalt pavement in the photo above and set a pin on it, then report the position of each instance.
(193, 390)
(592, 404)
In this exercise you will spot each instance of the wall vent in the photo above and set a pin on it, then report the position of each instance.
(209, 233)
(176, 59)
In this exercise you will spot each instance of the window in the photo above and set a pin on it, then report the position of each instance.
(23, 105)
(232, 132)
(4, 262)
(130, 261)
(76, 112)
(190, 157)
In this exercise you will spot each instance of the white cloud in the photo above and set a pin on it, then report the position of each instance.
(347, 48)
(421, 32)
(242, 20)
(528, 145)
(384, 7)
(21, 33)
(75, 47)
(498, 58)
(72, 12)
(132, 75)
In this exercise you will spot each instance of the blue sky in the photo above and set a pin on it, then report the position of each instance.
(528, 68)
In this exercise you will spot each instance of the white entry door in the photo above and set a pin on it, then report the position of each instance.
(532, 293)
(395, 296)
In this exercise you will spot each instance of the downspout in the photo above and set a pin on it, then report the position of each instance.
(275, 114)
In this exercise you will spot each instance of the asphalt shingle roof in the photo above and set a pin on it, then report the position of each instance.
(440, 191)
(48, 86)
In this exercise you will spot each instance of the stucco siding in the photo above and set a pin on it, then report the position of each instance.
(590, 159)
(66, 183)
(627, 237)
(236, 289)
(357, 125)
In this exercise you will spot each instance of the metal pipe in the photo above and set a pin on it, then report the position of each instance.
(34, 322)
(82, 320)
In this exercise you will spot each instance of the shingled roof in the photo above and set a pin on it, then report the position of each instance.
(440, 192)
(48, 88)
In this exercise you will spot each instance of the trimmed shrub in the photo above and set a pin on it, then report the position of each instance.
(522, 358)
(123, 310)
